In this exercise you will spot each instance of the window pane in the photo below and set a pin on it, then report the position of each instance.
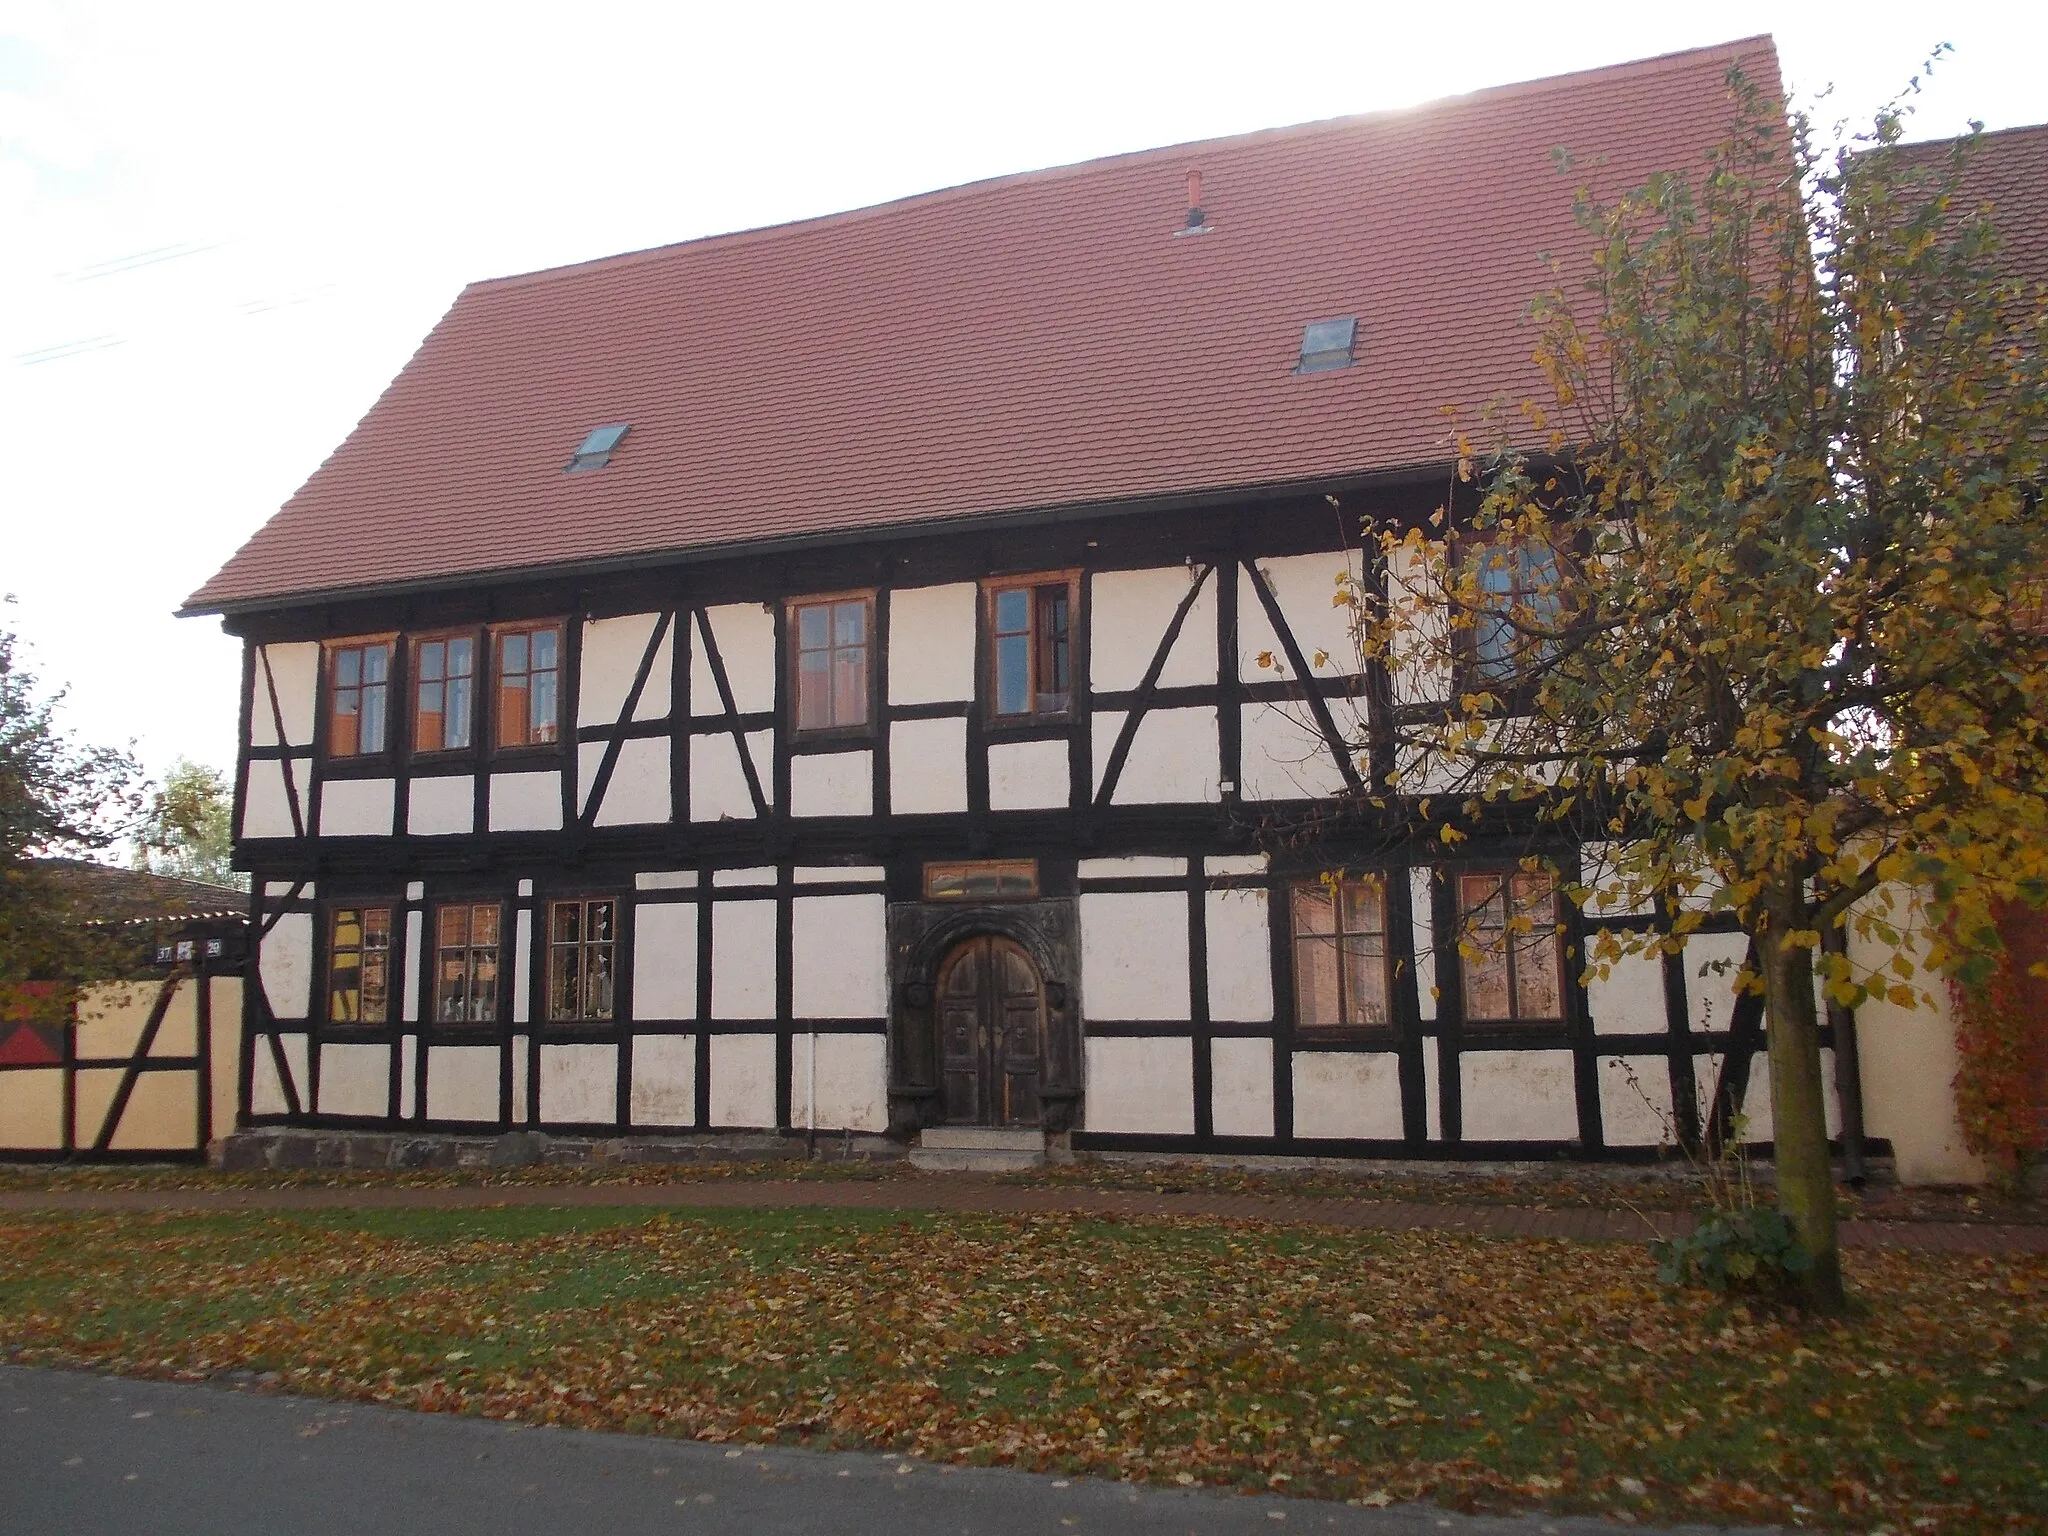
(512, 711)
(512, 653)
(850, 686)
(376, 663)
(1052, 646)
(542, 727)
(568, 921)
(1013, 611)
(1364, 907)
(343, 734)
(564, 974)
(813, 690)
(1493, 647)
(814, 627)
(433, 661)
(461, 657)
(1486, 978)
(373, 719)
(1538, 994)
(1013, 674)
(597, 983)
(376, 988)
(1365, 981)
(483, 925)
(1315, 982)
(454, 927)
(348, 668)
(483, 1002)
(348, 930)
(544, 650)
(850, 624)
(601, 921)
(377, 927)
(1315, 909)
(455, 723)
(428, 728)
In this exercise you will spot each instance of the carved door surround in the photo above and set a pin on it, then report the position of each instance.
(927, 945)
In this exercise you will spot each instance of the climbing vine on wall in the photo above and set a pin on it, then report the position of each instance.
(1994, 1099)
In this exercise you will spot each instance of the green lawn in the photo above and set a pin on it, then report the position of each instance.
(1485, 1374)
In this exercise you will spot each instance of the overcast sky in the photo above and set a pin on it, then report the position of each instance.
(223, 228)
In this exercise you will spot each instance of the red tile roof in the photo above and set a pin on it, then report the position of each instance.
(2006, 172)
(1037, 341)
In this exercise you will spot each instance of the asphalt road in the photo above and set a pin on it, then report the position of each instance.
(85, 1455)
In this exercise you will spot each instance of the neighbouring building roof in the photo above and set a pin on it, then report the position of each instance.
(1041, 341)
(107, 893)
(2006, 172)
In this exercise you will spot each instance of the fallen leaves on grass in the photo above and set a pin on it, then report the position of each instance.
(1484, 1374)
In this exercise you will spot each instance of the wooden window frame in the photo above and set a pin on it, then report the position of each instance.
(564, 729)
(1514, 1018)
(331, 688)
(992, 590)
(482, 645)
(1334, 882)
(469, 948)
(937, 872)
(583, 944)
(792, 610)
(332, 912)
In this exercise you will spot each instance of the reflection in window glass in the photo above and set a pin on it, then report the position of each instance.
(1340, 953)
(445, 684)
(529, 671)
(1519, 585)
(982, 880)
(358, 965)
(466, 964)
(832, 664)
(1508, 947)
(358, 678)
(1031, 643)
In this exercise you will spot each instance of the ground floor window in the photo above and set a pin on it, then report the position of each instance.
(466, 952)
(581, 939)
(1508, 946)
(358, 965)
(1340, 952)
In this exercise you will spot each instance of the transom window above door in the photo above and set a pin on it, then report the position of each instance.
(830, 655)
(1031, 648)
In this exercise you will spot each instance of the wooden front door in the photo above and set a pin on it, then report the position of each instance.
(991, 1033)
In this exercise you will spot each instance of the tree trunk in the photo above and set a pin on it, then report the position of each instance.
(1799, 1129)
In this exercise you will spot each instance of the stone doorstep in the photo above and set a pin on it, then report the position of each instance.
(978, 1149)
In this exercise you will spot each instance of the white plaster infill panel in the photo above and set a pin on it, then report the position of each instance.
(1711, 962)
(742, 961)
(718, 783)
(839, 874)
(1423, 930)
(294, 671)
(832, 783)
(1354, 1095)
(665, 880)
(355, 1080)
(928, 767)
(1305, 587)
(1141, 1087)
(664, 962)
(1140, 866)
(266, 1093)
(638, 792)
(1241, 1087)
(1635, 1101)
(1285, 756)
(1128, 615)
(441, 806)
(664, 1088)
(579, 1084)
(356, 807)
(1629, 999)
(743, 1081)
(526, 802)
(852, 1082)
(462, 1082)
(1173, 757)
(612, 652)
(931, 644)
(839, 948)
(284, 965)
(1235, 864)
(1134, 954)
(267, 806)
(745, 634)
(1028, 775)
(1240, 948)
(1518, 1096)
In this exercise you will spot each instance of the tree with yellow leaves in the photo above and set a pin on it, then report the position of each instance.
(1763, 616)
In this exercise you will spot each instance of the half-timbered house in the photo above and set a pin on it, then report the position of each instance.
(880, 673)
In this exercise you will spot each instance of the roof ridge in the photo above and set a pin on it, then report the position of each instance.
(1629, 68)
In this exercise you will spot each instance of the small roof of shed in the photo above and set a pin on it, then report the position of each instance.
(1049, 340)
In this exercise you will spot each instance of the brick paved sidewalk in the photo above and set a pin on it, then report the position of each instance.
(955, 1192)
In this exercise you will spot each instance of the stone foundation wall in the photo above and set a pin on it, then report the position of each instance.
(290, 1149)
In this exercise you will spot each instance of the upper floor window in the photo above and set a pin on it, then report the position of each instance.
(1031, 653)
(1509, 948)
(466, 951)
(1340, 953)
(358, 965)
(1520, 595)
(529, 685)
(831, 655)
(358, 682)
(444, 693)
(582, 937)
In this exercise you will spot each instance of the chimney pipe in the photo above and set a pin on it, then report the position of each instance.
(1195, 217)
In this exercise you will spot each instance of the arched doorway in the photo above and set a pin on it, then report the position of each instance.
(991, 1006)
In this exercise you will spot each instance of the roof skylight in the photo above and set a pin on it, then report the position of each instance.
(1327, 344)
(596, 450)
